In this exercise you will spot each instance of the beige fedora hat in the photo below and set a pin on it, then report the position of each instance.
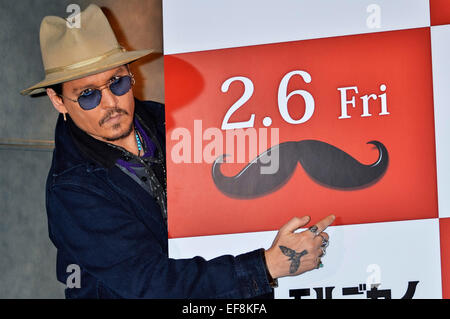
(72, 53)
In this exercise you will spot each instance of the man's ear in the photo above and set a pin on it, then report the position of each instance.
(56, 101)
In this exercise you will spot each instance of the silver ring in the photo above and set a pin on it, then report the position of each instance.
(323, 251)
(314, 229)
(325, 242)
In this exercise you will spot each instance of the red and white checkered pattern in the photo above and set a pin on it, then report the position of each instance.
(395, 233)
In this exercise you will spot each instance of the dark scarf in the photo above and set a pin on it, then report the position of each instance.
(103, 153)
(106, 154)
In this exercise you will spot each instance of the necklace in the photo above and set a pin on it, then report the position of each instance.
(138, 141)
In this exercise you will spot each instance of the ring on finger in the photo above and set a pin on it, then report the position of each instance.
(325, 241)
(319, 264)
(323, 251)
(314, 229)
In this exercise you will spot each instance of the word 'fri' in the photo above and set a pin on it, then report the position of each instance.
(365, 101)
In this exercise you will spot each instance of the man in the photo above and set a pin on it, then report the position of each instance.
(106, 189)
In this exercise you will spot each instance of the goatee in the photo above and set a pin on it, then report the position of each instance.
(121, 136)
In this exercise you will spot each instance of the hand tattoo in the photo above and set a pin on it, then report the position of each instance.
(294, 257)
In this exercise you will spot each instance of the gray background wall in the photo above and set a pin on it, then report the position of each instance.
(27, 257)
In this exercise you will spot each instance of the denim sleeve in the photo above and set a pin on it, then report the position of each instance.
(115, 247)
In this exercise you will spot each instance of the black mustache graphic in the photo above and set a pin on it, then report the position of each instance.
(324, 163)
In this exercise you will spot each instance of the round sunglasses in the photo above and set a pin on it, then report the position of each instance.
(91, 97)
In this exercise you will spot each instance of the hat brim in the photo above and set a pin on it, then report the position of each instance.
(108, 63)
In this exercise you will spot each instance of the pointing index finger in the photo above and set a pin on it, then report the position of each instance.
(324, 223)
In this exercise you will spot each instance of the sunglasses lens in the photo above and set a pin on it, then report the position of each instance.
(121, 86)
(90, 100)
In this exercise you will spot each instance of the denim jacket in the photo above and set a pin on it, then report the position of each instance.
(104, 222)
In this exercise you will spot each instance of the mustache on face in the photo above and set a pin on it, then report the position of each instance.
(323, 162)
(111, 112)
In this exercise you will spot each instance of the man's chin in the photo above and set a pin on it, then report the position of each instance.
(118, 136)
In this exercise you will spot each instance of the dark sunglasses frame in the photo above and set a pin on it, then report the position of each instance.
(101, 88)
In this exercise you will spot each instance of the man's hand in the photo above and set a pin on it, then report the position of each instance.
(294, 253)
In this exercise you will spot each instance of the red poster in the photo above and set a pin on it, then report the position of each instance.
(439, 12)
(444, 229)
(340, 92)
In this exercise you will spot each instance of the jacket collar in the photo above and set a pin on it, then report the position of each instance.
(74, 147)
